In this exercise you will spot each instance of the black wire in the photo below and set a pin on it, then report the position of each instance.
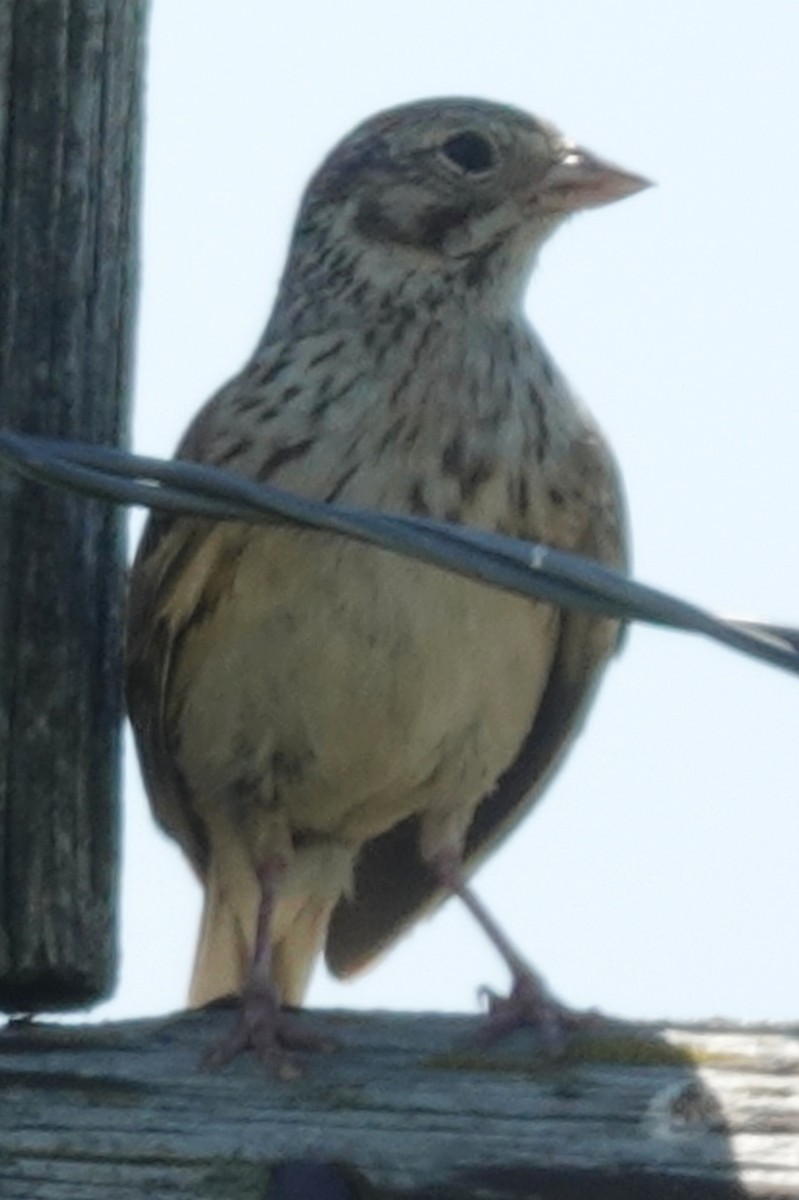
(526, 568)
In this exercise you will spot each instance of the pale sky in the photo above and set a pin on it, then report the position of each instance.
(658, 877)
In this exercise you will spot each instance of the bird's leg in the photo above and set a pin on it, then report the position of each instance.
(261, 1024)
(529, 1001)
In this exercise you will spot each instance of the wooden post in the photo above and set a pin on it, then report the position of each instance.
(403, 1107)
(70, 127)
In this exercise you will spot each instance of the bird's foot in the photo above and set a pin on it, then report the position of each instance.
(530, 1004)
(263, 1028)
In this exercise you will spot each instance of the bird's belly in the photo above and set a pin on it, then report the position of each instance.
(351, 687)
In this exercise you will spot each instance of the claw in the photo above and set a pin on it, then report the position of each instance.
(265, 1029)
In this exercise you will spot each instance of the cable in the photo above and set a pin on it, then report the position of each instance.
(526, 568)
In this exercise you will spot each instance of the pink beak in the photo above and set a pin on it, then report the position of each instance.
(581, 180)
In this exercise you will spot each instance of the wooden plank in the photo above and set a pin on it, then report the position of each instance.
(404, 1106)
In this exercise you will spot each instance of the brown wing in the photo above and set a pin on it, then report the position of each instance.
(392, 885)
(175, 582)
(152, 637)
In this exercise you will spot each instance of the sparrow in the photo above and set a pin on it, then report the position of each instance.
(337, 735)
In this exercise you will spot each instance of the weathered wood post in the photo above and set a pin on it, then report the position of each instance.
(404, 1109)
(70, 129)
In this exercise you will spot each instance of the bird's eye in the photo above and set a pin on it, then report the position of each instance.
(469, 151)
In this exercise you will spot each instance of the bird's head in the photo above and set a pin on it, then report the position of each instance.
(453, 192)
